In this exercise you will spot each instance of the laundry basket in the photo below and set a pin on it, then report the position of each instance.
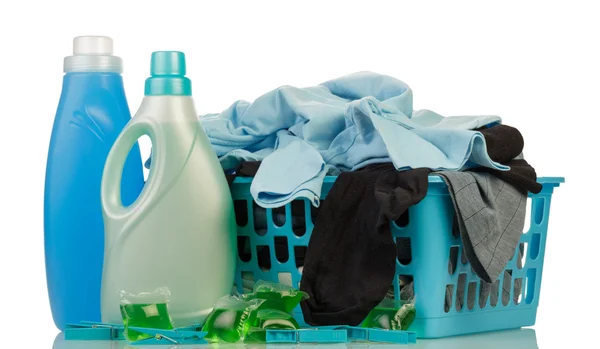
(449, 300)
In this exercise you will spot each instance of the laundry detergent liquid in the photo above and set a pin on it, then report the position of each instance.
(180, 234)
(91, 113)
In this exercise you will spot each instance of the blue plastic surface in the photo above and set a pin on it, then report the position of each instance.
(282, 336)
(91, 331)
(340, 334)
(396, 337)
(322, 336)
(87, 331)
(316, 335)
(357, 333)
(429, 228)
(91, 113)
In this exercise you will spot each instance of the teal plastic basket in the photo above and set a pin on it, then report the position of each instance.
(427, 229)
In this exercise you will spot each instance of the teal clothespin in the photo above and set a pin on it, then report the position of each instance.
(186, 335)
(357, 333)
(391, 336)
(313, 335)
(89, 330)
(375, 335)
(194, 328)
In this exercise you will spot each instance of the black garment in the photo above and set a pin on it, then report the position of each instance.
(521, 175)
(351, 257)
(245, 169)
(504, 144)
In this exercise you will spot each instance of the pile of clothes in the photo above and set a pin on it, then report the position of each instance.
(362, 128)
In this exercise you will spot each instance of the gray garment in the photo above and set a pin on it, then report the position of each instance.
(490, 219)
(490, 215)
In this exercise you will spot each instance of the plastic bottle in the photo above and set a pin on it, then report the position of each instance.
(91, 113)
(180, 233)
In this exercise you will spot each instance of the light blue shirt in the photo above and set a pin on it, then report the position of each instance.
(302, 133)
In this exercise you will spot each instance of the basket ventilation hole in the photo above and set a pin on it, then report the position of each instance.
(522, 256)
(484, 293)
(463, 257)
(494, 293)
(281, 249)
(403, 247)
(244, 250)
(248, 276)
(260, 219)
(241, 212)
(534, 247)
(448, 297)
(278, 216)
(406, 286)
(530, 286)
(264, 257)
(460, 291)
(539, 210)
(527, 224)
(506, 289)
(453, 260)
(518, 291)
(472, 293)
(299, 217)
(285, 278)
(299, 254)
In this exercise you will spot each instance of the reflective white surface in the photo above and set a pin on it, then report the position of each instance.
(516, 339)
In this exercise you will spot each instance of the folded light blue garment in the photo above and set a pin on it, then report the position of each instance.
(295, 179)
(346, 123)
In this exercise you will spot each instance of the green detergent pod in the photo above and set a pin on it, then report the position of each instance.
(277, 296)
(270, 319)
(146, 310)
(391, 315)
(230, 319)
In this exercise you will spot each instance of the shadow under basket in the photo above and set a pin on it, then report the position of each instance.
(450, 298)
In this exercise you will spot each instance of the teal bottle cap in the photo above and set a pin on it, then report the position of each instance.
(167, 75)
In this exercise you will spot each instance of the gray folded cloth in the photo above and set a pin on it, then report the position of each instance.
(490, 214)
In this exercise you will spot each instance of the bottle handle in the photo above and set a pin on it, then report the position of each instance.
(113, 169)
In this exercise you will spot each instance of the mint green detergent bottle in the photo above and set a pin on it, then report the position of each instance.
(180, 233)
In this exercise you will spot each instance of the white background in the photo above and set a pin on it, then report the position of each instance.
(534, 64)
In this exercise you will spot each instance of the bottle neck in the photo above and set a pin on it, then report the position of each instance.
(168, 86)
(93, 64)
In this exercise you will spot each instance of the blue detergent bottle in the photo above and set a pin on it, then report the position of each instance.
(91, 113)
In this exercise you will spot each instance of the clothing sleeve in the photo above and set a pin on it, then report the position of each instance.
(294, 170)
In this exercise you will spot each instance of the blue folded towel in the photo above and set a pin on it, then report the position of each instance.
(346, 123)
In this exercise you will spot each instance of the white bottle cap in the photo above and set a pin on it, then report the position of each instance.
(93, 54)
(92, 45)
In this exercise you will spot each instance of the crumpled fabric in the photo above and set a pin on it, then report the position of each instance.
(345, 123)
